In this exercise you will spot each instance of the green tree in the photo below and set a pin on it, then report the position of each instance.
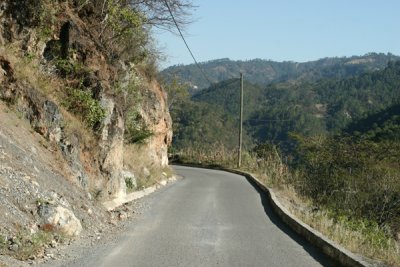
(177, 92)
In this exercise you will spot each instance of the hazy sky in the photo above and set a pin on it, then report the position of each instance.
(297, 30)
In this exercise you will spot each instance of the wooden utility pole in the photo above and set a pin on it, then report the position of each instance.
(241, 122)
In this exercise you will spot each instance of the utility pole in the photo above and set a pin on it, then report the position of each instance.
(241, 122)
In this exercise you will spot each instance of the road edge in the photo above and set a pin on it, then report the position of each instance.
(327, 246)
(119, 201)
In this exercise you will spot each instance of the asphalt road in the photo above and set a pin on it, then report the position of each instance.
(210, 218)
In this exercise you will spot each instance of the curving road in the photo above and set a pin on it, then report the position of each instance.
(210, 218)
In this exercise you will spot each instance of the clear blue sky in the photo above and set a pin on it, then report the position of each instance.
(297, 30)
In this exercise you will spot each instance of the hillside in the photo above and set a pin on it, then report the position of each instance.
(365, 177)
(83, 119)
(309, 108)
(210, 117)
(226, 94)
(330, 147)
(380, 126)
(203, 125)
(263, 72)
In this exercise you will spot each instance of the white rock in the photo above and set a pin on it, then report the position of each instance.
(53, 243)
(34, 150)
(63, 219)
(122, 215)
(145, 171)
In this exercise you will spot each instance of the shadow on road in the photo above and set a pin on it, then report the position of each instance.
(313, 251)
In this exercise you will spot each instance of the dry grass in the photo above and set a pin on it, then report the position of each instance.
(27, 68)
(28, 245)
(74, 126)
(143, 165)
(368, 240)
(214, 155)
(360, 237)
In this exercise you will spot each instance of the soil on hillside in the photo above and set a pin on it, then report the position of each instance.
(32, 171)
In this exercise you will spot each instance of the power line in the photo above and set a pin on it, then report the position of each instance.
(279, 120)
(187, 46)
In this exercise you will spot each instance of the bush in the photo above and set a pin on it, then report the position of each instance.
(123, 33)
(83, 104)
(354, 177)
(129, 183)
(70, 69)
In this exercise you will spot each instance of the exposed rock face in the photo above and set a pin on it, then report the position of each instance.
(64, 105)
(46, 118)
(32, 174)
(112, 144)
(155, 111)
(100, 170)
(55, 121)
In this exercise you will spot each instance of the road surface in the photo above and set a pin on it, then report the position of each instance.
(210, 218)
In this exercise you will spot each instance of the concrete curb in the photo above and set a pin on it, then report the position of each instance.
(328, 247)
(114, 203)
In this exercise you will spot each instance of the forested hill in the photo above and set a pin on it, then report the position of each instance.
(383, 125)
(226, 95)
(326, 106)
(271, 112)
(263, 72)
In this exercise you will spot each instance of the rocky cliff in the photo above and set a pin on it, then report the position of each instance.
(95, 117)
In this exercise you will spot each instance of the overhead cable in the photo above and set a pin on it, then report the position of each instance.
(187, 46)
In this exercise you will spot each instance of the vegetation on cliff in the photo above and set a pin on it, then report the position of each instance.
(96, 60)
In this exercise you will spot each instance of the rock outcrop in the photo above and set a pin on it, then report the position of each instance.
(155, 112)
(62, 219)
(72, 44)
(112, 145)
(77, 96)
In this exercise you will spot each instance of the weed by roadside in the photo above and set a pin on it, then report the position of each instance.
(152, 177)
(130, 186)
(360, 236)
(25, 245)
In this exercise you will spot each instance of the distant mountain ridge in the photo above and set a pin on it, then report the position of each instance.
(263, 72)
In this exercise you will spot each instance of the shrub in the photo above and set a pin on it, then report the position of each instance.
(129, 183)
(83, 104)
(136, 130)
(123, 32)
(354, 177)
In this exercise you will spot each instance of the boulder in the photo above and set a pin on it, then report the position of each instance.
(61, 218)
